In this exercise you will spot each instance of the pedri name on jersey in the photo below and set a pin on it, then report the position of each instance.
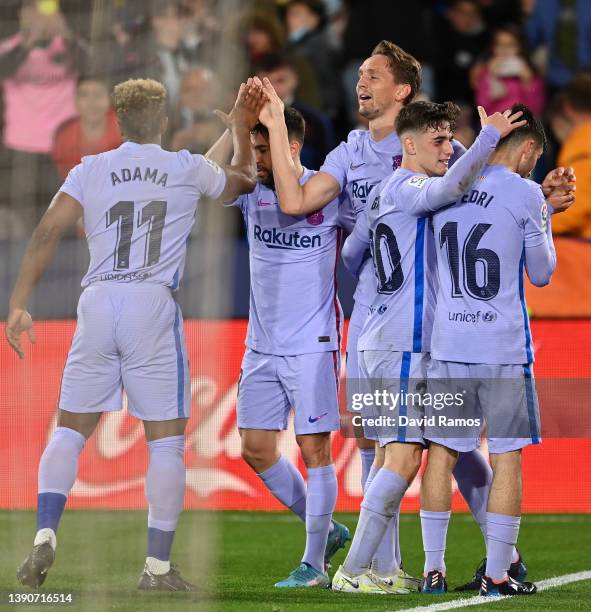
(276, 239)
(139, 174)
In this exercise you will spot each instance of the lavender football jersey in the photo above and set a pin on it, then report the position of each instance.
(400, 234)
(359, 165)
(140, 203)
(499, 226)
(294, 308)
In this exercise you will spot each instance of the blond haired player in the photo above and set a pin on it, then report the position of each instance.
(139, 204)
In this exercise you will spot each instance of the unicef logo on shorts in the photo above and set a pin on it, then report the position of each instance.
(315, 218)
(489, 316)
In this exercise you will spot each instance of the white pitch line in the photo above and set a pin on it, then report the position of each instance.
(543, 585)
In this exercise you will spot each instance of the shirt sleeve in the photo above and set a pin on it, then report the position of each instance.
(211, 179)
(540, 256)
(459, 150)
(357, 248)
(335, 164)
(73, 184)
(423, 195)
(238, 202)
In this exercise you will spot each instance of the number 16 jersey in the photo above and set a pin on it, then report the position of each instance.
(483, 243)
(140, 203)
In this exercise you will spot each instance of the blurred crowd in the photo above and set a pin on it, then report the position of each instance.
(60, 59)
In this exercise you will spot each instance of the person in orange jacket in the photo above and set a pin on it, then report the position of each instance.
(573, 123)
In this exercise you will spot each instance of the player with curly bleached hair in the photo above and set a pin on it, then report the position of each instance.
(139, 203)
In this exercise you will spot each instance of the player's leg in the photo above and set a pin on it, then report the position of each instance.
(311, 385)
(367, 448)
(262, 409)
(511, 413)
(91, 384)
(376, 533)
(58, 469)
(281, 477)
(322, 490)
(155, 374)
(474, 477)
(165, 491)
(435, 515)
(380, 505)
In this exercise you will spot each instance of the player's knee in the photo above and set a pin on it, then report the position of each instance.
(404, 459)
(315, 449)
(259, 458)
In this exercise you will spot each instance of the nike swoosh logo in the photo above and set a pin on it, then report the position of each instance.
(355, 166)
(353, 583)
(314, 419)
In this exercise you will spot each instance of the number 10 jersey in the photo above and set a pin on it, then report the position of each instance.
(140, 203)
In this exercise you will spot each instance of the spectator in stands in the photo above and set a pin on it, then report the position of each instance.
(262, 34)
(576, 152)
(461, 36)
(307, 36)
(202, 30)
(130, 47)
(194, 126)
(498, 13)
(38, 68)
(152, 47)
(319, 135)
(168, 26)
(562, 28)
(507, 76)
(92, 131)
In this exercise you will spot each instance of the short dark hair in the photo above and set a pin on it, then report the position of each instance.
(315, 6)
(422, 116)
(296, 125)
(533, 129)
(274, 61)
(578, 93)
(405, 68)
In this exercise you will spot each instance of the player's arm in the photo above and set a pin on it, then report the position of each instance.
(246, 110)
(356, 249)
(294, 199)
(241, 174)
(435, 193)
(62, 215)
(540, 255)
(221, 150)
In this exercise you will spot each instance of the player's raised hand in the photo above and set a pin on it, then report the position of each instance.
(559, 178)
(247, 107)
(559, 188)
(19, 321)
(504, 122)
(272, 111)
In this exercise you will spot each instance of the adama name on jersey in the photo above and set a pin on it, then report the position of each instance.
(125, 175)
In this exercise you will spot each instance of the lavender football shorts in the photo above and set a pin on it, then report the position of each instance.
(391, 402)
(128, 337)
(353, 375)
(270, 385)
(500, 397)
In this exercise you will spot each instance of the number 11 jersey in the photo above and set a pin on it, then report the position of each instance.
(140, 203)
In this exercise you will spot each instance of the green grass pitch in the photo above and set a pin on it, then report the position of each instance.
(100, 556)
